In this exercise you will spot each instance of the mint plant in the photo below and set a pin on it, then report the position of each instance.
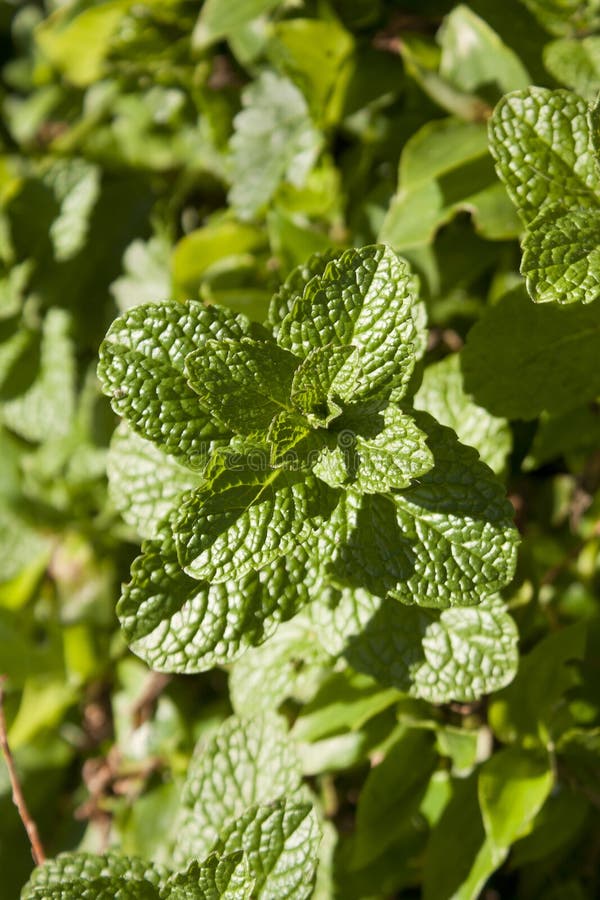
(293, 466)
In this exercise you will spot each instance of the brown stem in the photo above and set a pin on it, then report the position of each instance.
(37, 851)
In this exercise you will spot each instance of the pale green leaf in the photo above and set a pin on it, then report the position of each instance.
(291, 664)
(177, 624)
(70, 876)
(146, 277)
(513, 786)
(541, 142)
(445, 168)
(474, 58)
(245, 516)
(561, 255)
(142, 371)
(77, 187)
(243, 384)
(216, 878)
(394, 457)
(565, 16)
(575, 63)
(367, 299)
(145, 483)
(218, 20)
(247, 762)
(281, 843)
(274, 142)
(521, 359)
(46, 409)
(443, 396)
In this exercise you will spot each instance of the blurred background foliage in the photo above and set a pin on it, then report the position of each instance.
(157, 149)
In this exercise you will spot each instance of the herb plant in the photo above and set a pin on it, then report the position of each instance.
(299, 482)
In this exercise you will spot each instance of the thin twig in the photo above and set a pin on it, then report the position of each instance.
(37, 851)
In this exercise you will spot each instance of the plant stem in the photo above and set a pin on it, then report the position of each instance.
(37, 851)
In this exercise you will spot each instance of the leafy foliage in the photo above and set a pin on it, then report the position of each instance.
(331, 261)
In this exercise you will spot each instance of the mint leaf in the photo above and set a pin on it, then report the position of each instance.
(281, 842)
(243, 384)
(144, 482)
(519, 359)
(291, 663)
(146, 274)
(246, 762)
(316, 385)
(575, 63)
(367, 299)
(77, 186)
(216, 878)
(293, 443)
(438, 656)
(141, 368)
(72, 875)
(178, 624)
(217, 21)
(394, 457)
(513, 786)
(246, 516)
(540, 140)
(274, 141)
(293, 287)
(46, 408)
(443, 396)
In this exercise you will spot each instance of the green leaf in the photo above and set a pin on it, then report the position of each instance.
(316, 386)
(217, 878)
(475, 59)
(520, 359)
(281, 843)
(243, 384)
(293, 443)
(146, 277)
(455, 654)
(513, 786)
(541, 142)
(177, 624)
(246, 516)
(446, 168)
(443, 396)
(394, 457)
(73, 875)
(45, 410)
(247, 762)
(291, 663)
(561, 256)
(142, 370)
(391, 794)
(76, 185)
(367, 299)
(576, 63)
(217, 21)
(293, 287)
(565, 16)
(274, 141)
(144, 482)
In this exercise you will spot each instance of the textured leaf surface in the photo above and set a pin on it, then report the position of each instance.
(540, 140)
(142, 371)
(561, 255)
(368, 299)
(455, 654)
(316, 384)
(144, 481)
(93, 876)
(178, 624)
(217, 878)
(274, 141)
(246, 762)
(281, 842)
(394, 457)
(246, 517)
(442, 395)
(243, 384)
(293, 287)
(290, 664)
(521, 359)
